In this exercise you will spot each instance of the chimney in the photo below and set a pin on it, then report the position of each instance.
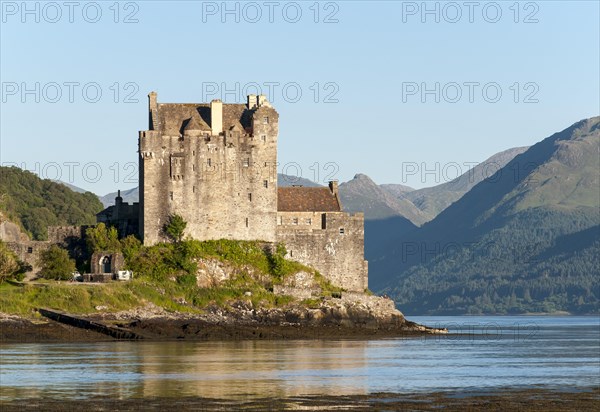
(152, 109)
(216, 117)
(251, 101)
(152, 100)
(262, 101)
(333, 186)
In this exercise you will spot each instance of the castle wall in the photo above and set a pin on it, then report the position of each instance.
(224, 186)
(65, 235)
(332, 243)
(123, 216)
(29, 252)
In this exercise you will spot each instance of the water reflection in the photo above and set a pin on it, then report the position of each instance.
(561, 353)
(207, 369)
(226, 369)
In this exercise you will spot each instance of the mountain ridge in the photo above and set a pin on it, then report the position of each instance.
(508, 228)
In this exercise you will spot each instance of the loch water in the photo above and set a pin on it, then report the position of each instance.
(480, 354)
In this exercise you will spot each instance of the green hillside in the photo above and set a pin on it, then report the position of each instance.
(525, 240)
(36, 203)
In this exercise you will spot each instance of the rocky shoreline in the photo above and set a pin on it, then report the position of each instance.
(500, 400)
(353, 316)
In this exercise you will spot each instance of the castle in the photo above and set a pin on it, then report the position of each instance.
(215, 164)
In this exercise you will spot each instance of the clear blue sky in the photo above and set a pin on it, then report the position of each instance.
(374, 61)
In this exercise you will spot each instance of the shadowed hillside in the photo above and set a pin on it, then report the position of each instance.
(507, 245)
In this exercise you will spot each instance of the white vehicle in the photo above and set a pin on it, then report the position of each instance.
(76, 277)
(124, 275)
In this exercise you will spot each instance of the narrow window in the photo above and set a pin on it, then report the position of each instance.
(171, 195)
(193, 189)
(291, 253)
(265, 120)
(341, 231)
(247, 162)
(209, 161)
(323, 221)
(265, 183)
(29, 250)
(250, 197)
(193, 153)
(280, 220)
(309, 221)
(246, 222)
(295, 221)
(264, 137)
(193, 167)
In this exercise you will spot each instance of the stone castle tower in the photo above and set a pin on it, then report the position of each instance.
(215, 164)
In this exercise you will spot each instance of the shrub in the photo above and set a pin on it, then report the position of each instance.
(187, 280)
(56, 264)
(9, 263)
(131, 246)
(175, 227)
(102, 238)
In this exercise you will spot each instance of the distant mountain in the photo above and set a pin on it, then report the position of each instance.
(385, 216)
(129, 196)
(74, 188)
(34, 203)
(361, 194)
(432, 200)
(396, 190)
(287, 180)
(527, 239)
(133, 195)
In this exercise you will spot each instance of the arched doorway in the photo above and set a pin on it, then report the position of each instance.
(105, 264)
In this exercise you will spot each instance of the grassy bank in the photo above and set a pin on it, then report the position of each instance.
(81, 298)
(165, 275)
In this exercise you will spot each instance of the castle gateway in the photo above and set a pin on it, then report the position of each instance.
(215, 164)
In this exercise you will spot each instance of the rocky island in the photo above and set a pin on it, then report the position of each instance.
(208, 191)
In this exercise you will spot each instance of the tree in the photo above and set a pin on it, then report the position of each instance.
(175, 227)
(102, 238)
(9, 264)
(34, 203)
(131, 247)
(56, 264)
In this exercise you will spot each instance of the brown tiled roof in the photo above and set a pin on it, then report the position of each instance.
(306, 199)
(175, 116)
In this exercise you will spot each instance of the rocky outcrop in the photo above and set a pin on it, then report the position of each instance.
(351, 312)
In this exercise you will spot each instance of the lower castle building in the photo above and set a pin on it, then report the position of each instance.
(215, 164)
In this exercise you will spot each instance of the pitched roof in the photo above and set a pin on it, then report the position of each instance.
(306, 199)
(195, 123)
(174, 116)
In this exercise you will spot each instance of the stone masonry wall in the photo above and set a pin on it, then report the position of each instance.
(29, 252)
(224, 186)
(332, 243)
